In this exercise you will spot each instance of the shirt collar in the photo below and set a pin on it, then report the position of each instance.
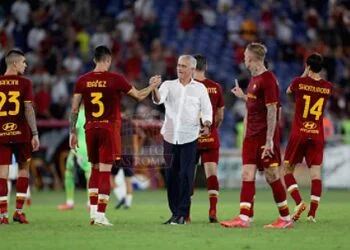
(191, 82)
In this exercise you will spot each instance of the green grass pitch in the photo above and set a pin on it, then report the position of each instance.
(141, 228)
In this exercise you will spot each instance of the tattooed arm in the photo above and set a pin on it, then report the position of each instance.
(271, 126)
(74, 113)
(30, 117)
(73, 140)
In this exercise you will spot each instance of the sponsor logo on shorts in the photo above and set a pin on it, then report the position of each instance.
(310, 125)
(10, 126)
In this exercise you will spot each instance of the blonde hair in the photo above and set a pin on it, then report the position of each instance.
(258, 49)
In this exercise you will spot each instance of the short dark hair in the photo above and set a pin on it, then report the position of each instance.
(12, 55)
(101, 52)
(201, 62)
(315, 61)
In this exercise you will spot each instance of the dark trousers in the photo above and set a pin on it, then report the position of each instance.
(180, 163)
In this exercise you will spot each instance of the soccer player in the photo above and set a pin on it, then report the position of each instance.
(261, 146)
(18, 131)
(208, 147)
(100, 92)
(311, 93)
(76, 158)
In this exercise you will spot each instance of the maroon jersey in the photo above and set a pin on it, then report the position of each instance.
(14, 92)
(310, 101)
(101, 96)
(262, 90)
(217, 101)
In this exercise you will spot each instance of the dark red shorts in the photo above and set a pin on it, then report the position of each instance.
(22, 151)
(209, 155)
(100, 145)
(252, 151)
(299, 147)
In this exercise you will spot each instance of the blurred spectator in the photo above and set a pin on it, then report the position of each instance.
(35, 36)
(208, 15)
(83, 40)
(158, 64)
(234, 22)
(249, 30)
(42, 100)
(187, 18)
(73, 65)
(100, 37)
(224, 5)
(21, 11)
(284, 28)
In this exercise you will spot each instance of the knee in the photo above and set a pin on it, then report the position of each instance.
(288, 169)
(315, 172)
(248, 175)
(271, 174)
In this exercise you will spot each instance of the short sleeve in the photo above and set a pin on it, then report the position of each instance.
(79, 87)
(220, 103)
(270, 89)
(123, 85)
(28, 92)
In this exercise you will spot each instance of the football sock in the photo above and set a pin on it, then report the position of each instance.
(104, 187)
(128, 200)
(213, 192)
(21, 188)
(93, 187)
(279, 194)
(316, 190)
(247, 194)
(292, 188)
(3, 197)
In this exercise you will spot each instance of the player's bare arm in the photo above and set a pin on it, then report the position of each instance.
(30, 117)
(73, 139)
(271, 126)
(139, 95)
(219, 116)
(237, 91)
(156, 95)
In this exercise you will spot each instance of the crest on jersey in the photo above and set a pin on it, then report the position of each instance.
(254, 86)
(310, 125)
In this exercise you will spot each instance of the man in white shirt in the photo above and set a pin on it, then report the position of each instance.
(185, 101)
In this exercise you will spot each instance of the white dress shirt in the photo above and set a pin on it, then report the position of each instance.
(184, 105)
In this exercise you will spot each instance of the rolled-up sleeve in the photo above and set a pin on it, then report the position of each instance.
(163, 92)
(206, 108)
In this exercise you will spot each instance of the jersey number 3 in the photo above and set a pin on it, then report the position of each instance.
(96, 99)
(12, 97)
(315, 110)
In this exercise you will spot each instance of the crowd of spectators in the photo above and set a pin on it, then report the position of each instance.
(146, 36)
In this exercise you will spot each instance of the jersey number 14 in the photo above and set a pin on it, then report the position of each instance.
(315, 110)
